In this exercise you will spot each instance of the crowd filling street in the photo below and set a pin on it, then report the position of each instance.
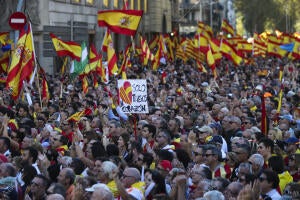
(230, 136)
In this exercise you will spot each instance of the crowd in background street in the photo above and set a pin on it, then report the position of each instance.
(202, 137)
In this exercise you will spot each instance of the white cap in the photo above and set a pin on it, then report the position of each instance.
(204, 84)
(96, 186)
(70, 87)
(259, 87)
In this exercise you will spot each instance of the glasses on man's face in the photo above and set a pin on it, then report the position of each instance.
(246, 123)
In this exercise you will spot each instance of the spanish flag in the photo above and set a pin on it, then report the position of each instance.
(22, 63)
(62, 48)
(120, 21)
(111, 54)
(226, 27)
(275, 50)
(229, 52)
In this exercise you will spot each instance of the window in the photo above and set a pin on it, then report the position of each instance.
(90, 2)
(76, 1)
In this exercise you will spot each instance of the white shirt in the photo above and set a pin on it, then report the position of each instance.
(274, 194)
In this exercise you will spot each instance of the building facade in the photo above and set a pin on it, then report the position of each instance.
(76, 20)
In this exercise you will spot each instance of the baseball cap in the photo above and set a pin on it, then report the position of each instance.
(291, 140)
(287, 117)
(204, 84)
(166, 165)
(95, 186)
(204, 129)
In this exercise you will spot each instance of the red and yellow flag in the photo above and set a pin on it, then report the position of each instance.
(211, 62)
(22, 63)
(63, 48)
(146, 53)
(296, 49)
(85, 84)
(275, 50)
(120, 21)
(3, 37)
(111, 54)
(229, 52)
(226, 27)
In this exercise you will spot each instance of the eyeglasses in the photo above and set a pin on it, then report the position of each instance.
(207, 155)
(246, 123)
(55, 139)
(261, 179)
(159, 136)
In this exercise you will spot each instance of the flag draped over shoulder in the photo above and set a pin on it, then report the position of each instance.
(63, 48)
(120, 21)
(22, 63)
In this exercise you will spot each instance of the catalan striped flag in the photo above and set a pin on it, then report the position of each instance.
(22, 63)
(63, 48)
(120, 21)
(226, 27)
(146, 53)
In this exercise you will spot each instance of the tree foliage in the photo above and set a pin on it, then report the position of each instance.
(259, 15)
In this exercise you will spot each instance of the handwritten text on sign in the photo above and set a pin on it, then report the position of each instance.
(133, 95)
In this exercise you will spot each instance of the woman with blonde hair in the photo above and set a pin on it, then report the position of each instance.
(275, 134)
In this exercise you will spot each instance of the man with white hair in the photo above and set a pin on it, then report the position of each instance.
(257, 162)
(106, 176)
(213, 195)
(100, 191)
(129, 177)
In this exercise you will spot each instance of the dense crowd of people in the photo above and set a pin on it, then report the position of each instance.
(203, 137)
